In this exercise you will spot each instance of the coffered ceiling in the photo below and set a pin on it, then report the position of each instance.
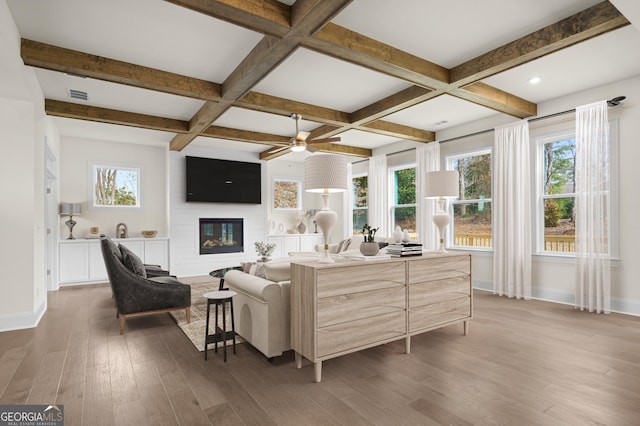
(229, 73)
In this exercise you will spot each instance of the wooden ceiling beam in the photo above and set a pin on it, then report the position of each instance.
(112, 116)
(398, 131)
(266, 56)
(342, 43)
(589, 23)
(274, 105)
(273, 153)
(497, 99)
(245, 136)
(268, 17)
(69, 61)
(398, 101)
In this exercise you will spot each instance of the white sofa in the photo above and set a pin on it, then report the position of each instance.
(261, 309)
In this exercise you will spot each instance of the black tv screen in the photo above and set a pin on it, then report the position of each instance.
(212, 180)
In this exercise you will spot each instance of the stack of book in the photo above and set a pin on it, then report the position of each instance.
(404, 249)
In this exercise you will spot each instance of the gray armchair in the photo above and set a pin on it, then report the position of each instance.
(134, 292)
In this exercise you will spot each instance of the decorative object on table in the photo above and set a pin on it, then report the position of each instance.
(302, 226)
(94, 232)
(281, 228)
(122, 231)
(264, 250)
(369, 247)
(149, 234)
(325, 174)
(71, 210)
(405, 236)
(397, 234)
(442, 184)
(404, 249)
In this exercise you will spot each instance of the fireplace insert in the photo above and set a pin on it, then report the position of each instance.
(221, 236)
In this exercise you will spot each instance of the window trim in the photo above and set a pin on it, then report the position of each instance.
(450, 232)
(391, 197)
(539, 196)
(94, 165)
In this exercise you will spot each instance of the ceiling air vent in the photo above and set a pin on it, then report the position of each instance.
(78, 94)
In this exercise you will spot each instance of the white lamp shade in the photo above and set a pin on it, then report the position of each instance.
(325, 173)
(70, 209)
(442, 183)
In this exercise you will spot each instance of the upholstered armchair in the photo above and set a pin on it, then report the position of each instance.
(135, 293)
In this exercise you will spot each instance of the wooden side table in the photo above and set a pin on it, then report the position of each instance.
(220, 298)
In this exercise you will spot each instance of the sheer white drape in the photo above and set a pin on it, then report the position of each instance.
(347, 200)
(427, 160)
(377, 195)
(512, 211)
(593, 269)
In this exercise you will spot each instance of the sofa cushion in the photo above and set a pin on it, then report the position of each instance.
(277, 271)
(343, 245)
(253, 268)
(132, 262)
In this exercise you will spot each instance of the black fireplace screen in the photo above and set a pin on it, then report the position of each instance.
(221, 236)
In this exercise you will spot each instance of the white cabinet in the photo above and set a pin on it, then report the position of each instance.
(293, 243)
(80, 261)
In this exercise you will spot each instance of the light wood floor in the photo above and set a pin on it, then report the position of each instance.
(522, 363)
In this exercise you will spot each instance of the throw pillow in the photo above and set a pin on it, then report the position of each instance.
(343, 245)
(253, 268)
(132, 262)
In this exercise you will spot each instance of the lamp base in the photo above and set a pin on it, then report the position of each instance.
(441, 219)
(326, 219)
(70, 223)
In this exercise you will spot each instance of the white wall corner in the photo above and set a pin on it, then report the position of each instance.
(22, 320)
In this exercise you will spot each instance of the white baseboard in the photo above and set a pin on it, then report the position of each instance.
(618, 305)
(22, 320)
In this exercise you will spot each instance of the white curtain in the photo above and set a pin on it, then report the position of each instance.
(512, 211)
(347, 200)
(377, 195)
(593, 269)
(427, 160)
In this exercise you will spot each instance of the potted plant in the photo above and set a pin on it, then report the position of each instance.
(264, 250)
(369, 247)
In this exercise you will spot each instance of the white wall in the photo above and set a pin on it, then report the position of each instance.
(553, 277)
(22, 131)
(76, 156)
(185, 257)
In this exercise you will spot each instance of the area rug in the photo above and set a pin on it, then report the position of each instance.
(196, 328)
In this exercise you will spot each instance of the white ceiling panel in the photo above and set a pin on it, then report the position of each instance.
(440, 113)
(451, 32)
(318, 79)
(591, 63)
(152, 33)
(256, 121)
(108, 132)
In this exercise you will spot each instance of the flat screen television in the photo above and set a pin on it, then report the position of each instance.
(212, 180)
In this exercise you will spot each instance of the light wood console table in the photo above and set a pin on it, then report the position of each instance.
(350, 305)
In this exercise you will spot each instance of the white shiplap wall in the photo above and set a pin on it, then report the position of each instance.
(185, 257)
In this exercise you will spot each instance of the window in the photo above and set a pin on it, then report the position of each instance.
(403, 199)
(115, 186)
(359, 186)
(472, 210)
(556, 189)
(287, 194)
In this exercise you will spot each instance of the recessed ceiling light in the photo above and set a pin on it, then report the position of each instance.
(535, 80)
(440, 123)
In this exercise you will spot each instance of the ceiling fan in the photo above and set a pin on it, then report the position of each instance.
(299, 143)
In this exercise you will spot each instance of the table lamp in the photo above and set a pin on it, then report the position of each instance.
(442, 184)
(70, 209)
(325, 174)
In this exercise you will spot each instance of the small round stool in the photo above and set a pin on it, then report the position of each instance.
(220, 298)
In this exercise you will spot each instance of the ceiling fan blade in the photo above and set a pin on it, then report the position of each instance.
(336, 139)
(312, 148)
(302, 136)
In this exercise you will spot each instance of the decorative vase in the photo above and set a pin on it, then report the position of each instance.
(397, 235)
(302, 228)
(369, 249)
(405, 236)
(264, 259)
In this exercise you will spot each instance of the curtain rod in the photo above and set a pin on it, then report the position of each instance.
(611, 102)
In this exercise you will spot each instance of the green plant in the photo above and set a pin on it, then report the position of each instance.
(264, 249)
(369, 233)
